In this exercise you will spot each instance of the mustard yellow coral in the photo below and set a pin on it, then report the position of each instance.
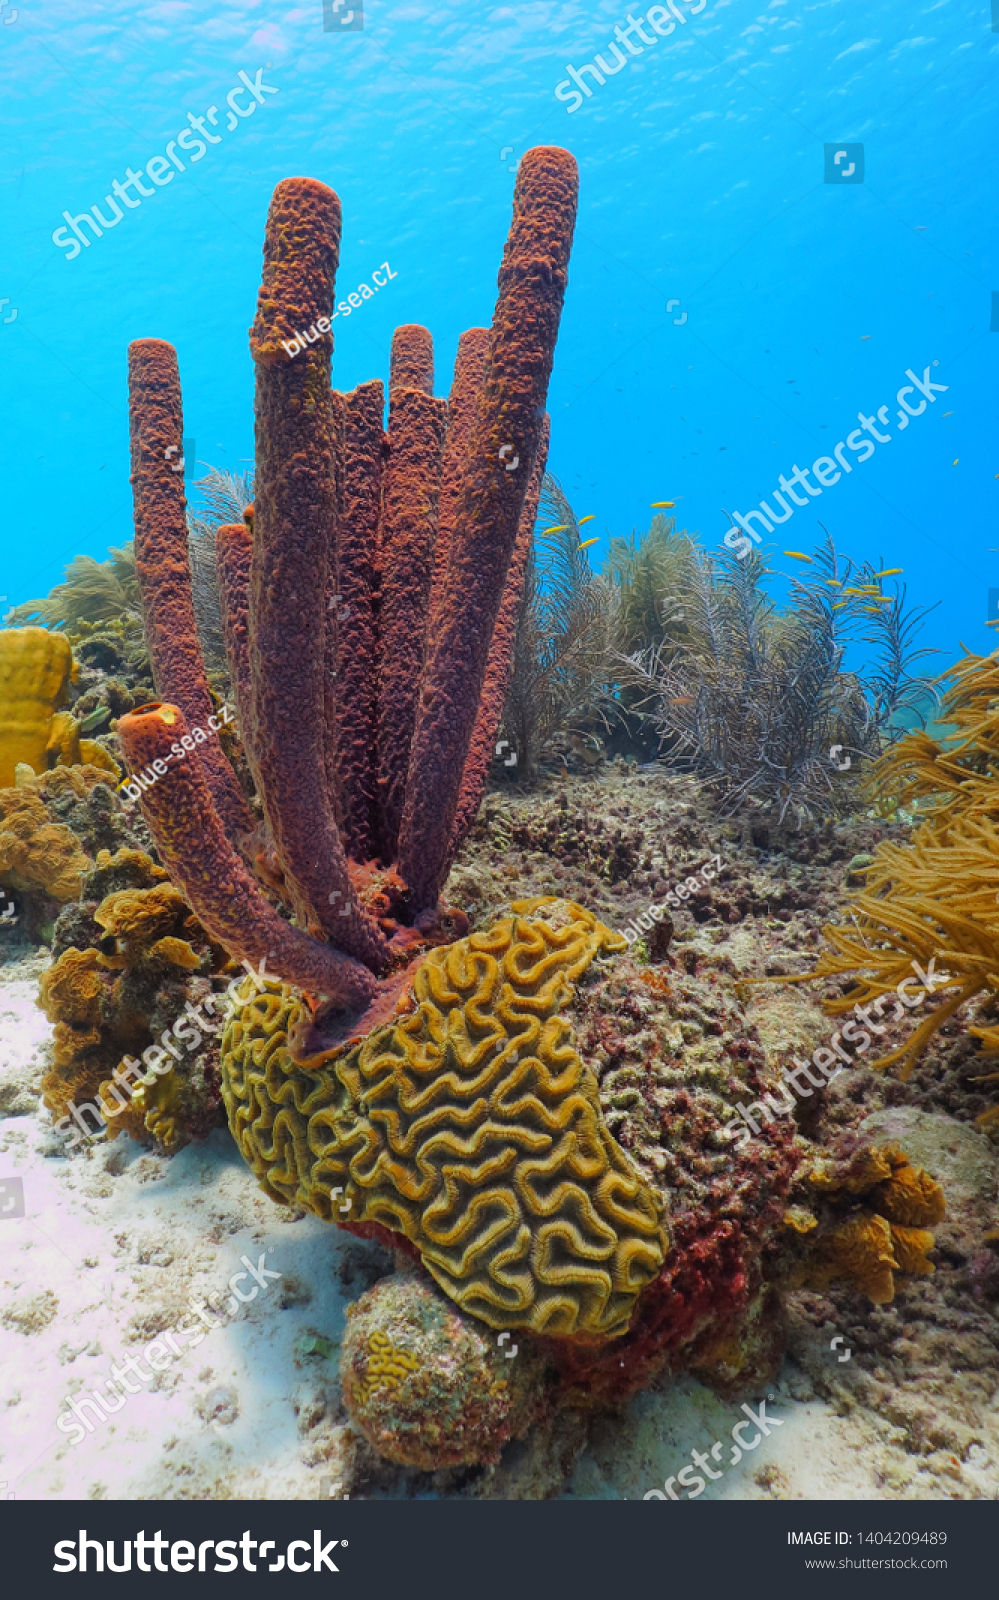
(888, 1234)
(35, 852)
(385, 1367)
(933, 899)
(860, 1251)
(36, 667)
(140, 922)
(470, 1125)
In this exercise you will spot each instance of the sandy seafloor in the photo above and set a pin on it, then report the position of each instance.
(116, 1239)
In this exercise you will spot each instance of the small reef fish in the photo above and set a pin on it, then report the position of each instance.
(587, 542)
(562, 528)
(682, 700)
(799, 555)
(590, 518)
(840, 604)
(889, 572)
(832, 583)
(657, 503)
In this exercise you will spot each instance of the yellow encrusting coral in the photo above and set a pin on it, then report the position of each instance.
(888, 1234)
(104, 1000)
(470, 1125)
(35, 852)
(36, 669)
(386, 1366)
(934, 899)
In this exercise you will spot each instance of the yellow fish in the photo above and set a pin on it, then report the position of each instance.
(656, 503)
(832, 583)
(799, 556)
(840, 604)
(873, 610)
(587, 542)
(889, 572)
(562, 528)
(590, 518)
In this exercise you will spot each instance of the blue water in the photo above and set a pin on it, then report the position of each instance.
(702, 168)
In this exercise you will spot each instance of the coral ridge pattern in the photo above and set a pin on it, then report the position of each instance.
(469, 1125)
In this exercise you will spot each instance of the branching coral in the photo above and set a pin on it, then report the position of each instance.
(933, 900)
(360, 827)
(563, 635)
(470, 1126)
(754, 699)
(92, 591)
(225, 496)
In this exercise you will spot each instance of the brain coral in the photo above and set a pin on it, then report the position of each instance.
(470, 1125)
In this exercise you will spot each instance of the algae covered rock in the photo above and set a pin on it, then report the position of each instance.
(430, 1388)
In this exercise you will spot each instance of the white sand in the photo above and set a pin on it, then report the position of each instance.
(115, 1241)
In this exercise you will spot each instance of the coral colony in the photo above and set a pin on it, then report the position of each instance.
(401, 737)
(469, 1099)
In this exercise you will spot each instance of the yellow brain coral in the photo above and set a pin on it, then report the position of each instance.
(386, 1366)
(470, 1125)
